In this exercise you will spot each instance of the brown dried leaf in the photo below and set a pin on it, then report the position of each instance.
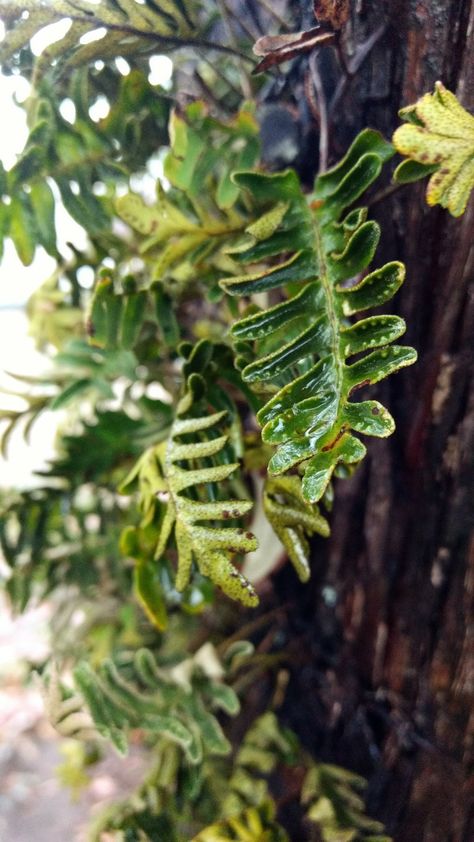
(279, 48)
(335, 12)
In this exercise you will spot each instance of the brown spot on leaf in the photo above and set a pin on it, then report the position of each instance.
(375, 410)
(359, 386)
(335, 441)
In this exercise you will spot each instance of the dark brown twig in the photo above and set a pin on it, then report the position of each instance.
(350, 68)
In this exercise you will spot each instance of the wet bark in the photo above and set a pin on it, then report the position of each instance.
(388, 684)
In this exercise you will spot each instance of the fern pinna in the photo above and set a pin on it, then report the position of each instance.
(304, 343)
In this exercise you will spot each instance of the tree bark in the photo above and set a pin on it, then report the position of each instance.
(390, 687)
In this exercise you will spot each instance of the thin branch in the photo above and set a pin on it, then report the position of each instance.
(383, 194)
(253, 625)
(208, 93)
(351, 67)
(243, 25)
(309, 93)
(267, 6)
(164, 40)
(323, 113)
(244, 79)
(216, 67)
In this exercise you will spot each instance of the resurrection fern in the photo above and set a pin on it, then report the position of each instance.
(172, 703)
(71, 157)
(293, 519)
(332, 798)
(181, 484)
(255, 824)
(438, 140)
(220, 795)
(190, 225)
(131, 28)
(317, 254)
(230, 798)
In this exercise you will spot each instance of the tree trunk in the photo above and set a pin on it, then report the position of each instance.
(390, 686)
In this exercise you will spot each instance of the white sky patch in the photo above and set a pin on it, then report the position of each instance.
(161, 71)
(95, 35)
(15, 130)
(19, 355)
(99, 109)
(122, 66)
(49, 34)
(67, 109)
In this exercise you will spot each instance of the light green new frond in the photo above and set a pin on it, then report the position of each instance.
(183, 482)
(300, 351)
(211, 547)
(438, 140)
(255, 824)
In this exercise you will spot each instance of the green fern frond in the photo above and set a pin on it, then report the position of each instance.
(181, 482)
(293, 519)
(65, 710)
(332, 797)
(173, 703)
(130, 28)
(255, 824)
(438, 140)
(304, 344)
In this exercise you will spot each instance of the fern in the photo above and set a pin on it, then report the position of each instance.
(73, 157)
(255, 824)
(332, 796)
(196, 459)
(438, 140)
(172, 703)
(304, 343)
(191, 224)
(293, 519)
(130, 28)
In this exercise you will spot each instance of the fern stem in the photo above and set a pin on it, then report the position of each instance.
(323, 113)
(164, 40)
(333, 317)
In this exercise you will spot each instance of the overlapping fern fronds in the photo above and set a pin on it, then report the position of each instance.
(184, 234)
(70, 156)
(317, 253)
(172, 703)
